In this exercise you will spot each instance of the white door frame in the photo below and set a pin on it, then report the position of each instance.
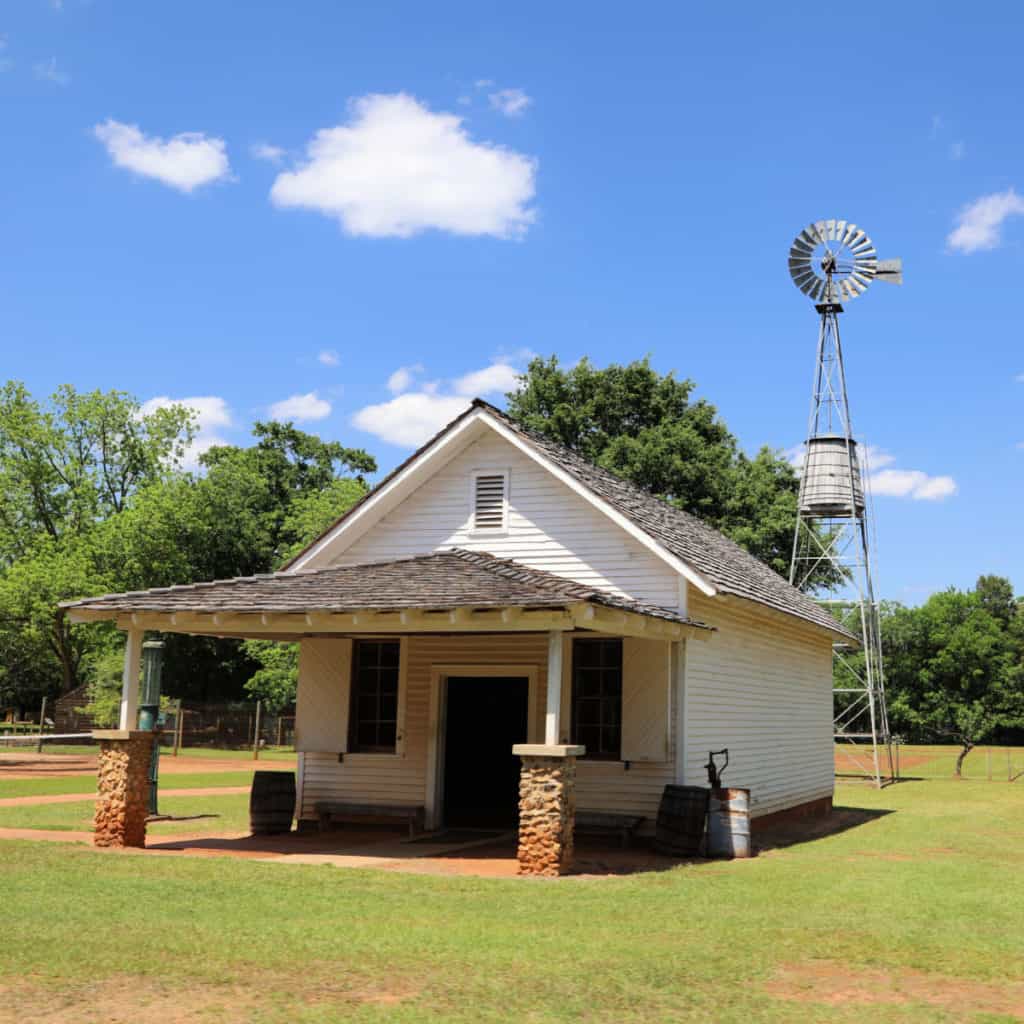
(439, 675)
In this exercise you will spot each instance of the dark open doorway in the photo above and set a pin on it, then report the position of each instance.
(484, 718)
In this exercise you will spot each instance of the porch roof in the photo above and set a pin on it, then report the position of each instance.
(436, 583)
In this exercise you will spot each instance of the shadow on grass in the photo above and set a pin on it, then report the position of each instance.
(841, 820)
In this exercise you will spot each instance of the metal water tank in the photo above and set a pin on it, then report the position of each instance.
(825, 485)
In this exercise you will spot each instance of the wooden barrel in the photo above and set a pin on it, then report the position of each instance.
(729, 823)
(271, 803)
(679, 829)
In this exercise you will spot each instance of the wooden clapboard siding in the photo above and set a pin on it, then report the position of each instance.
(762, 687)
(383, 778)
(386, 778)
(321, 702)
(549, 527)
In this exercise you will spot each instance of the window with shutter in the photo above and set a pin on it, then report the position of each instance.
(490, 501)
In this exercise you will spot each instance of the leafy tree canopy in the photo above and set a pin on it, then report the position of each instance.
(95, 500)
(954, 666)
(648, 428)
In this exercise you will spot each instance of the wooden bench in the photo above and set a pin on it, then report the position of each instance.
(604, 823)
(327, 810)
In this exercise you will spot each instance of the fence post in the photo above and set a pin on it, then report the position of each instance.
(42, 725)
(256, 733)
(178, 722)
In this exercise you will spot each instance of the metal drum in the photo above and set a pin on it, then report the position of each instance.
(729, 823)
(825, 484)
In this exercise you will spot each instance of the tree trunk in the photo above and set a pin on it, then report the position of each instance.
(61, 644)
(965, 748)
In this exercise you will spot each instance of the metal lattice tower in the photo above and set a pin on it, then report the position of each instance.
(831, 261)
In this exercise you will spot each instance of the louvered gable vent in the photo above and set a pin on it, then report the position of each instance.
(489, 501)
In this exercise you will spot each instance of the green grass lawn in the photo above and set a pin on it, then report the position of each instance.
(267, 754)
(226, 814)
(931, 884)
(87, 784)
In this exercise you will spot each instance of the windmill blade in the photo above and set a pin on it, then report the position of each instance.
(890, 270)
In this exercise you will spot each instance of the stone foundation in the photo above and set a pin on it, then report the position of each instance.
(547, 809)
(123, 788)
(812, 809)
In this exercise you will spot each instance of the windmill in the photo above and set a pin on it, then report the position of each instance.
(831, 262)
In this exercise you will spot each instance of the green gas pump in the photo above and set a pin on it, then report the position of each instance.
(149, 708)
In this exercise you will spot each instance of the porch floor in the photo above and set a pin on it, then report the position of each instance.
(383, 849)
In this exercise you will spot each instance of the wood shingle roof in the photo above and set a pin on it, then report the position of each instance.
(446, 579)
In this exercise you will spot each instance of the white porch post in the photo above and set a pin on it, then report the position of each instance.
(130, 679)
(553, 718)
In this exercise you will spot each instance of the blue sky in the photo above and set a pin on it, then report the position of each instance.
(289, 203)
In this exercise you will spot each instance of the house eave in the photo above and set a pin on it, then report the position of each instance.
(584, 615)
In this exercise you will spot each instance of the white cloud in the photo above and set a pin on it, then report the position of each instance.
(488, 381)
(184, 162)
(511, 102)
(410, 419)
(212, 415)
(396, 168)
(47, 71)
(912, 483)
(301, 407)
(957, 151)
(402, 379)
(1019, 378)
(329, 357)
(876, 458)
(978, 223)
(265, 151)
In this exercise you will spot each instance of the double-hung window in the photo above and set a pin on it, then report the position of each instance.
(373, 715)
(597, 697)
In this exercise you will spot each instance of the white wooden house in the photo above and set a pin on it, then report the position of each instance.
(495, 590)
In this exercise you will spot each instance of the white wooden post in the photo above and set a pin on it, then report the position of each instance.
(678, 657)
(552, 720)
(130, 679)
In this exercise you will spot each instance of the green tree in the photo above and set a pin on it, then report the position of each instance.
(648, 428)
(67, 466)
(954, 666)
(250, 510)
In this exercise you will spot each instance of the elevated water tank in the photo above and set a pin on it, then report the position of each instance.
(825, 486)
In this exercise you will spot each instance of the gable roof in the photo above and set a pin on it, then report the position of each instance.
(724, 565)
(440, 581)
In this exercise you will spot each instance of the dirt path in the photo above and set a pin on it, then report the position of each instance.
(71, 798)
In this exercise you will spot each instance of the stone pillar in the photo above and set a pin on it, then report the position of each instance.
(547, 807)
(122, 804)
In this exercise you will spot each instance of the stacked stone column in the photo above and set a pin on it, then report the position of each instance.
(547, 808)
(122, 804)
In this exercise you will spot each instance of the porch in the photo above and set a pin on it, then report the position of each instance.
(446, 682)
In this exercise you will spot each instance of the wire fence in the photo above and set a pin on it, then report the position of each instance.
(987, 762)
(65, 728)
